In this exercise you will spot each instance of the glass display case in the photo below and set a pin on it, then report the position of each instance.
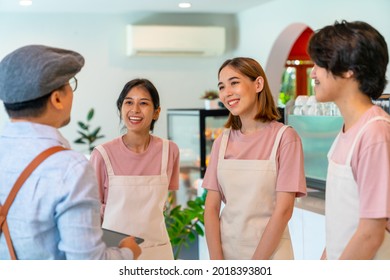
(317, 134)
(194, 131)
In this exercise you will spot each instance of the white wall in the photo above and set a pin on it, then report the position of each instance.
(180, 81)
(101, 40)
(260, 27)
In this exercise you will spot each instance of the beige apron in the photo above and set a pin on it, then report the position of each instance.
(135, 206)
(342, 204)
(249, 189)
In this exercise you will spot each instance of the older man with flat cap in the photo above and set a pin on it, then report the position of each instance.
(49, 201)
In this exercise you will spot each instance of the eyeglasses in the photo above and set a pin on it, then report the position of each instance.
(73, 83)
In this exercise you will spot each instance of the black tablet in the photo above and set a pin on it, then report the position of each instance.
(112, 238)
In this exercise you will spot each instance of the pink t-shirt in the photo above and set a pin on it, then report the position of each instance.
(370, 163)
(127, 163)
(258, 146)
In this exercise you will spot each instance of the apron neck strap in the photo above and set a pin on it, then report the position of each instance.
(165, 156)
(277, 142)
(224, 140)
(102, 151)
(358, 136)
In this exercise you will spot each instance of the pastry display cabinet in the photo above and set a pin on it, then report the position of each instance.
(194, 131)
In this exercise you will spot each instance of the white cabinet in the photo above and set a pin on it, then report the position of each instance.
(307, 229)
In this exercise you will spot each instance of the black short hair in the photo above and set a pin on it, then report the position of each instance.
(355, 46)
(32, 108)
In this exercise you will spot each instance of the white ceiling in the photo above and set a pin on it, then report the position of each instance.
(125, 6)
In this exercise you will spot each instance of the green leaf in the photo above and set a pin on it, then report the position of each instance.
(88, 137)
(199, 229)
(191, 237)
(176, 241)
(191, 203)
(191, 215)
(85, 136)
(83, 125)
(184, 224)
(79, 141)
(176, 210)
(95, 132)
(178, 220)
(90, 114)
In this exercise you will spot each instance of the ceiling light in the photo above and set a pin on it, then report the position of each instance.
(25, 2)
(184, 5)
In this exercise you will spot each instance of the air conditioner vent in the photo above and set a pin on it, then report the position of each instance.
(166, 40)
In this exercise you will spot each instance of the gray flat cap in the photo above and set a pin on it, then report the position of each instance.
(33, 71)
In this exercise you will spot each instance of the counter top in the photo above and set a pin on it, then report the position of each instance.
(314, 201)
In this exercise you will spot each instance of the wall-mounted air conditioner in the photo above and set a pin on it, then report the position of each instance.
(168, 40)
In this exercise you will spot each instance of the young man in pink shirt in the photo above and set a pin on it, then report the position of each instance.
(350, 60)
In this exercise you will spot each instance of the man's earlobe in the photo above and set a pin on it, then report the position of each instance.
(348, 74)
(56, 100)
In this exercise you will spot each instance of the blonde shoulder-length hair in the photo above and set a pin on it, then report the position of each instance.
(252, 69)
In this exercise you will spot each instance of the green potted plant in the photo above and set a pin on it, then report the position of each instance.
(88, 135)
(184, 224)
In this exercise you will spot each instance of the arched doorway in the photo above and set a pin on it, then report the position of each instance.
(289, 50)
(296, 77)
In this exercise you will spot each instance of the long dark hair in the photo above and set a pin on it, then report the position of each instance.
(148, 86)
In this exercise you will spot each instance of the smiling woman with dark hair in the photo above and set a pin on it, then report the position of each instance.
(136, 170)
